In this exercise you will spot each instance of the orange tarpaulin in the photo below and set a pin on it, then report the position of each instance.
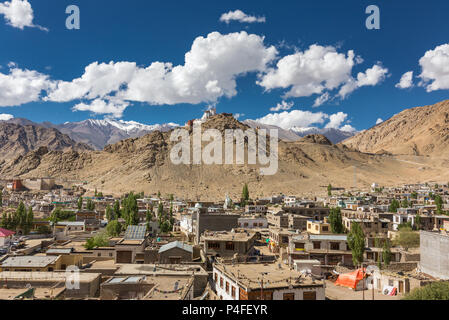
(351, 279)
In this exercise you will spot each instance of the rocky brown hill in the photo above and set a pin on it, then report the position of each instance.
(18, 140)
(421, 131)
(144, 164)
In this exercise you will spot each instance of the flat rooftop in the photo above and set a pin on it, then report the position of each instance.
(39, 293)
(29, 261)
(250, 274)
(159, 270)
(164, 287)
(229, 236)
(45, 276)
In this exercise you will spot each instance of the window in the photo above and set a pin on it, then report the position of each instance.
(221, 283)
(227, 287)
(316, 245)
(233, 292)
(335, 246)
(213, 245)
(289, 296)
(325, 228)
(309, 295)
(230, 246)
(299, 245)
(216, 277)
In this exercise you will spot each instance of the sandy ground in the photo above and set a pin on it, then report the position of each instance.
(334, 292)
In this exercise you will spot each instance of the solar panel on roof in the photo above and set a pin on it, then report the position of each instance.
(135, 232)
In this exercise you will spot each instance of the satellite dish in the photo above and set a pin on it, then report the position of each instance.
(28, 286)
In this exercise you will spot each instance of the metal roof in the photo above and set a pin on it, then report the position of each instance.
(60, 251)
(176, 244)
(135, 232)
(328, 237)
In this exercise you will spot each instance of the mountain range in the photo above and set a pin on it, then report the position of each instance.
(420, 131)
(100, 133)
(296, 133)
(411, 147)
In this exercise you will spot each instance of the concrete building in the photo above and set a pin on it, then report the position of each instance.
(435, 254)
(175, 252)
(253, 222)
(269, 281)
(89, 283)
(318, 227)
(328, 249)
(228, 244)
(212, 222)
(31, 263)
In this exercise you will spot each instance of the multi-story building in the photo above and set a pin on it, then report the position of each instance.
(268, 281)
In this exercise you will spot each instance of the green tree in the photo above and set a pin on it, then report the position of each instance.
(20, 217)
(336, 221)
(56, 215)
(80, 203)
(29, 220)
(160, 211)
(386, 253)
(100, 240)
(418, 221)
(166, 226)
(394, 206)
(439, 204)
(130, 210)
(5, 222)
(407, 238)
(114, 228)
(96, 194)
(404, 204)
(356, 241)
(414, 195)
(171, 197)
(432, 291)
(43, 230)
(90, 205)
(117, 208)
(148, 218)
(110, 216)
(159, 195)
(245, 195)
(329, 190)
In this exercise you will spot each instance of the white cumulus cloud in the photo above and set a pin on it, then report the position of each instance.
(304, 119)
(19, 14)
(319, 70)
(371, 77)
(21, 86)
(240, 16)
(283, 106)
(406, 81)
(210, 71)
(99, 106)
(435, 69)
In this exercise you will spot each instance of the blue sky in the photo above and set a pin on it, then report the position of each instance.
(145, 32)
